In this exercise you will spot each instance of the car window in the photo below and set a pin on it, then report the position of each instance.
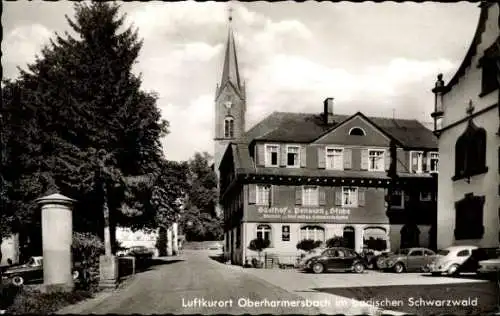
(340, 254)
(463, 253)
(415, 253)
(349, 253)
(443, 252)
(429, 253)
(402, 252)
(31, 261)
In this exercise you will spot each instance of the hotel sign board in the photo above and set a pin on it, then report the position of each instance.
(300, 214)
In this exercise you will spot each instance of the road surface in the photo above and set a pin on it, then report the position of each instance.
(189, 286)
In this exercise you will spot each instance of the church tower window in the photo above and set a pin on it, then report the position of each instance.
(228, 127)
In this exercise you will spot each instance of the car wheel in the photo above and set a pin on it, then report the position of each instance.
(399, 267)
(452, 270)
(18, 280)
(76, 275)
(318, 268)
(359, 268)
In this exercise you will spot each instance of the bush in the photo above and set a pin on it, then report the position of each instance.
(86, 249)
(8, 293)
(34, 302)
(336, 241)
(258, 244)
(308, 244)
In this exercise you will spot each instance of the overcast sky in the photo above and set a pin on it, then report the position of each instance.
(371, 57)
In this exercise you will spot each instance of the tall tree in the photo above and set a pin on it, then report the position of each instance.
(78, 98)
(199, 220)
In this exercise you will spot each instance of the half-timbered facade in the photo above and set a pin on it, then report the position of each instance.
(468, 124)
(296, 176)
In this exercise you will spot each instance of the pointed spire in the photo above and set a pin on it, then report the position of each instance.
(230, 71)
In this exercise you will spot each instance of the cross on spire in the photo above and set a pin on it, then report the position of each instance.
(470, 108)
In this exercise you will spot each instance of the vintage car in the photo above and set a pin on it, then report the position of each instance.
(334, 259)
(141, 254)
(407, 260)
(454, 260)
(30, 272)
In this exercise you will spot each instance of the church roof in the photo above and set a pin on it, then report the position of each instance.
(307, 127)
(230, 70)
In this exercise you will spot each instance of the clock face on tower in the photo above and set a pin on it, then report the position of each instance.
(228, 104)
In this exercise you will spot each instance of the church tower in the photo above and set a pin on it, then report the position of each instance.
(230, 102)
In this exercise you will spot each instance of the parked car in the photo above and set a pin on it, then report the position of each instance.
(216, 246)
(453, 260)
(335, 259)
(407, 260)
(30, 272)
(141, 254)
(373, 259)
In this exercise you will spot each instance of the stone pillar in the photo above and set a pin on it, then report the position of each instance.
(57, 237)
(175, 239)
(169, 241)
(358, 238)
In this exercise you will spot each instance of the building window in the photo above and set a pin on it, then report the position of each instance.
(398, 199)
(285, 233)
(313, 233)
(357, 131)
(469, 217)
(229, 127)
(263, 193)
(489, 81)
(349, 196)
(375, 238)
(272, 153)
(310, 196)
(470, 152)
(433, 162)
(376, 160)
(292, 156)
(425, 196)
(416, 161)
(264, 232)
(334, 158)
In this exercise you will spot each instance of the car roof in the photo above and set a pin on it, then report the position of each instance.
(458, 248)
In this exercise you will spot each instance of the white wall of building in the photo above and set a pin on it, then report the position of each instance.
(455, 103)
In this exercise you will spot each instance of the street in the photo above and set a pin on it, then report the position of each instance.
(194, 283)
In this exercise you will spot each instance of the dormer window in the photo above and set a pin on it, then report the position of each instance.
(416, 161)
(272, 152)
(292, 156)
(357, 131)
(228, 127)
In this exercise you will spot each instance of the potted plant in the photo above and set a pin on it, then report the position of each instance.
(258, 244)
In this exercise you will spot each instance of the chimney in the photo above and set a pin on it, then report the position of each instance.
(328, 111)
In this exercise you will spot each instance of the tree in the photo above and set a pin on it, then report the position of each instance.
(199, 220)
(78, 98)
(259, 244)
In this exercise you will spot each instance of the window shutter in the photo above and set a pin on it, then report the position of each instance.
(261, 155)
(387, 157)
(273, 195)
(361, 196)
(321, 157)
(303, 155)
(282, 157)
(338, 196)
(364, 159)
(347, 158)
(252, 193)
(298, 195)
(322, 195)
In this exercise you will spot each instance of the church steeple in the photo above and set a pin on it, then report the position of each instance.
(230, 72)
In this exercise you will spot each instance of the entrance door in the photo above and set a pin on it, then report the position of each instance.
(349, 237)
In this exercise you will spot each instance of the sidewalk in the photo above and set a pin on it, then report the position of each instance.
(299, 283)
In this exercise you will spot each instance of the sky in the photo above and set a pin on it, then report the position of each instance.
(378, 58)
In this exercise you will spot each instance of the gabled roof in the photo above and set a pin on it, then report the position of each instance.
(306, 127)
